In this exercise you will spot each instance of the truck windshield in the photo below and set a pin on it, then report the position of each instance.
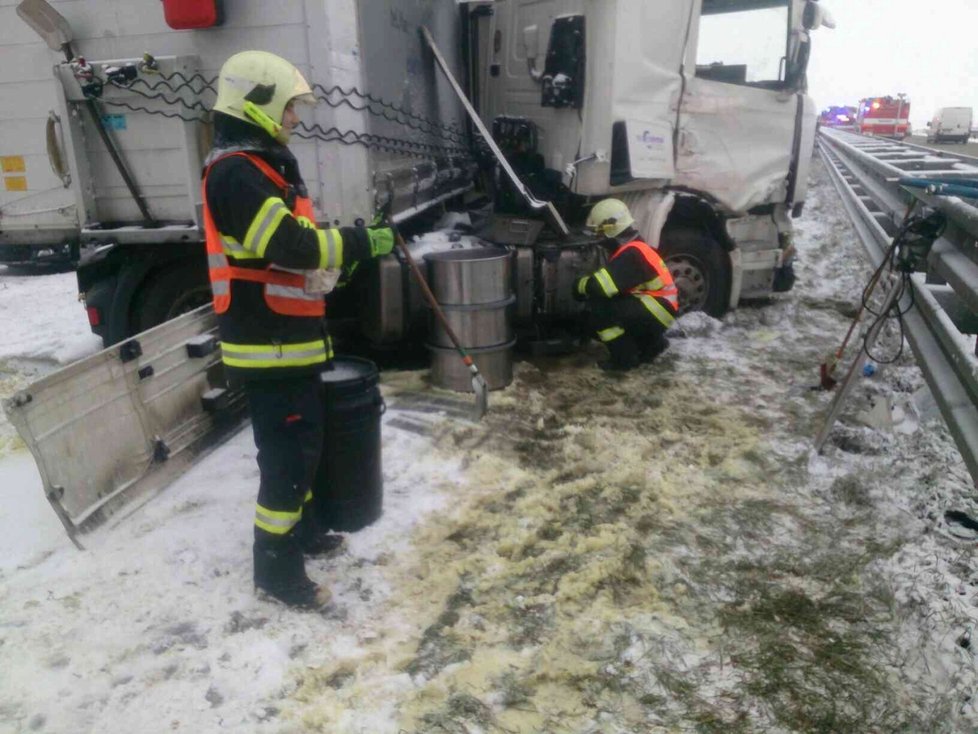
(743, 42)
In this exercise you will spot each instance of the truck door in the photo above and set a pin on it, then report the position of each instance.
(738, 113)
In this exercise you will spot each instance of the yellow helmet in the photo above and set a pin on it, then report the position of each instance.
(256, 86)
(609, 217)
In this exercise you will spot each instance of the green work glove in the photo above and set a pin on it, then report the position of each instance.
(381, 241)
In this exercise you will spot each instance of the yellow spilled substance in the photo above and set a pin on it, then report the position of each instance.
(541, 604)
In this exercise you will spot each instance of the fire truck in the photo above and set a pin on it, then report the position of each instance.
(888, 117)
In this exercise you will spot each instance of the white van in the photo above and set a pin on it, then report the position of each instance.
(950, 124)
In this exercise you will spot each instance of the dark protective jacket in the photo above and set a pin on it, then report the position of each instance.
(635, 270)
(260, 237)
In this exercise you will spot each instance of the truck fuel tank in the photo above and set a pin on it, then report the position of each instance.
(542, 279)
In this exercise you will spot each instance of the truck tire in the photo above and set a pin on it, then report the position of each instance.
(169, 293)
(700, 267)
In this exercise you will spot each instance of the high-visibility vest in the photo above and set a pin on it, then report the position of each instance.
(662, 285)
(284, 290)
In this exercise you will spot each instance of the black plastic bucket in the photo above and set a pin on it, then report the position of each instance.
(349, 489)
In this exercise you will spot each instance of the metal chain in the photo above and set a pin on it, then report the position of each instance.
(456, 146)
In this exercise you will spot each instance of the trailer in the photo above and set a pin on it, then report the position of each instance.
(710, 149)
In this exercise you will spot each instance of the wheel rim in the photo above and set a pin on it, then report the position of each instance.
(691, 281)
(188, 301)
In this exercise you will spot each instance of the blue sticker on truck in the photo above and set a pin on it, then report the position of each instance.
(114, 122)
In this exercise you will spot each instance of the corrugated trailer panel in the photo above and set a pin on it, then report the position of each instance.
(371, 48)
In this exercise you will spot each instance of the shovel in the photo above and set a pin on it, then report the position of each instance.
(826, 370)
(479, 386)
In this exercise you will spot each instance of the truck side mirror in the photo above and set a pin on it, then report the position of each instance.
(816, 16)
(531, 49)
(531, 41)
(928, 123)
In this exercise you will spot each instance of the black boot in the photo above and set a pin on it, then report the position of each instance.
(624, 355)
(651, 350)
(312, 539)
(281, 574)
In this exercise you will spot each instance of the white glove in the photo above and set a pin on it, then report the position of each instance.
(321, 281)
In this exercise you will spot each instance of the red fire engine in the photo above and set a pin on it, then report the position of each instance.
(888, 117)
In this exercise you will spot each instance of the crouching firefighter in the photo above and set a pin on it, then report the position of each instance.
(633, 300)
(270, 266)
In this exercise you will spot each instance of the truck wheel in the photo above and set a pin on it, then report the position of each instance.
(700, 268)
(168, 293)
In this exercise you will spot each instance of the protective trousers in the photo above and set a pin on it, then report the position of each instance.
(628, 329)
(287, 418)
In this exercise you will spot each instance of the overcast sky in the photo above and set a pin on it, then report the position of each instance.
(880, 47)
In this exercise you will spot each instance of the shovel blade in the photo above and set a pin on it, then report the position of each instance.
(481, 390)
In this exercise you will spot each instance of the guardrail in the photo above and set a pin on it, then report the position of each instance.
(941, 317)
(943, 153)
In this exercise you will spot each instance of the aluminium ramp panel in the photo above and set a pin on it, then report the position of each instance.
(118, 426)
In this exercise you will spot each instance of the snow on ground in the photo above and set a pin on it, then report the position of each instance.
(658, 551)
(50, 323)
(44, 327)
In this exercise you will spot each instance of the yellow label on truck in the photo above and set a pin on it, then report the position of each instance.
(12, 163)
(15, 183)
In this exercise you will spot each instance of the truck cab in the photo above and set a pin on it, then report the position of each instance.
(663, 105)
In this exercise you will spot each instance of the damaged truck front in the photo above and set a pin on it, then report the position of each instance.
(694, 112)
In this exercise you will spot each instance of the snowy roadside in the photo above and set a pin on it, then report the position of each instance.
(44, 328)
(654, 552)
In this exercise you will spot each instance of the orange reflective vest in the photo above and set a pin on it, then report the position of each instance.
(284, 290)
(662, 286)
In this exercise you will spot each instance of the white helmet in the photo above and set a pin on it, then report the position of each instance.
(256, 86)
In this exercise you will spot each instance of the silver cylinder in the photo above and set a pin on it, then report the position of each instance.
(469, 277)
(476, 326)
(474, 290)
(495, 365)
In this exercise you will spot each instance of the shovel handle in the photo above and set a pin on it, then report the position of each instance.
(432, 301)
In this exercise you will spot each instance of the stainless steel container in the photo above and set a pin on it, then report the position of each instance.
(476, 326)
(495, 365)
(469, 277)
(474, 289)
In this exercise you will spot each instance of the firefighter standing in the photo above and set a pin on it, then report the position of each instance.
(632, 300)
(269, 264)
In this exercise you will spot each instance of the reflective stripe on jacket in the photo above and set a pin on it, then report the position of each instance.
(276, 329)
(659, 295)
(662, 286)
(284, 290)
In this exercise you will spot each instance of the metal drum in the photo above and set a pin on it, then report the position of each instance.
(476, 326)
(495, 365)
(474, 289)
(469, 277)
